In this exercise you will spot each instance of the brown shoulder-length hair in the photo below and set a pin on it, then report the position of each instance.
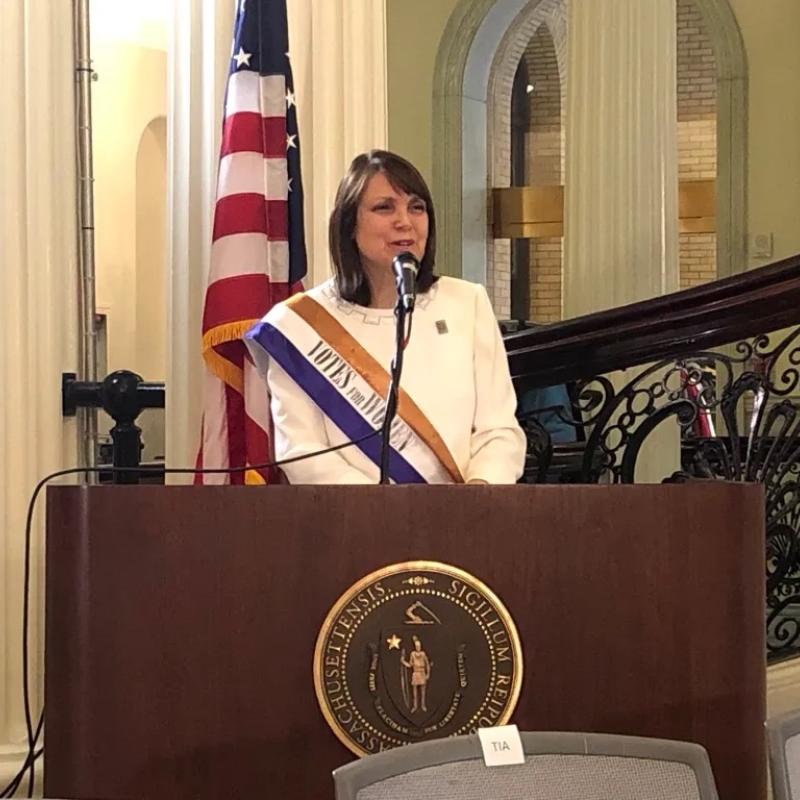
(351, 281)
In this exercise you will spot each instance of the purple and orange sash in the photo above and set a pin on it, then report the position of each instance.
(349, 386)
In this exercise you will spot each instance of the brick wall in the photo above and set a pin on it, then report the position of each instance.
(544, 143)
(544, 149)
(547, 260)
(697, 134)
(539, 36)
(698, 255)
(501, 81)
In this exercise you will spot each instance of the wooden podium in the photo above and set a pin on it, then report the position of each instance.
(181, 622)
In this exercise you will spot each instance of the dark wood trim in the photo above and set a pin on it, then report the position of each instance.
(725, 311)
(181, 622)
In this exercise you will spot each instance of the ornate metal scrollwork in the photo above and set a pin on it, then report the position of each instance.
(736, 414)
(539, 451)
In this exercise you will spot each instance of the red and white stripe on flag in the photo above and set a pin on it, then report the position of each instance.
(249, 271)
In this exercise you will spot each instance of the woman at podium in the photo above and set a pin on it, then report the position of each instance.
(325, 353)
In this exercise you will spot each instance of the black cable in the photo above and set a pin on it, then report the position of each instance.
(33, 737)
(10, 789)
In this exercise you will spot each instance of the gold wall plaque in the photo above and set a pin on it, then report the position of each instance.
(535, 212)
(417, 650)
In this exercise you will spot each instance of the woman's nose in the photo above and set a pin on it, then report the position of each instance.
(402, 218)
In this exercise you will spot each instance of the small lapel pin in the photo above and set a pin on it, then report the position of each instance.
(441, 326)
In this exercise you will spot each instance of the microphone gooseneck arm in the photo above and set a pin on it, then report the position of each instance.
(394, 386)
(405, 267)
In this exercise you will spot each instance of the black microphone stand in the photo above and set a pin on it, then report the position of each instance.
(394, 386)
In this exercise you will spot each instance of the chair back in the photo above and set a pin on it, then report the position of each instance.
(569, 766)
(783, 737)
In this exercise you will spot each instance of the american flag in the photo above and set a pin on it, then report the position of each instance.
(258, 254)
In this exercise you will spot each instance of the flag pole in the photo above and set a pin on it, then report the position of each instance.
(84, 74)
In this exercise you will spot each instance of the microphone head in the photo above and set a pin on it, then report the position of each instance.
(405, 260)
(405, 267)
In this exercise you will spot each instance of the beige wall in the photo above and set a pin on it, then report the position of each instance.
(143, 23)
(414, 29)
(151, 212)
(129, 95)
(770, 33)
(151, 306)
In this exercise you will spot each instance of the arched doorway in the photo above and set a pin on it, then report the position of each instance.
(479, 36)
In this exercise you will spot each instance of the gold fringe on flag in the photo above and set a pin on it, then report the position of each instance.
(227, 372)
(254, 478)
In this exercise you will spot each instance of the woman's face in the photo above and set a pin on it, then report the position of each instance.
(389, 222)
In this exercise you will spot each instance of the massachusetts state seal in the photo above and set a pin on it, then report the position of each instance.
(416, 651)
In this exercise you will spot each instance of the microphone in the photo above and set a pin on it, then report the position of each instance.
(406, 267)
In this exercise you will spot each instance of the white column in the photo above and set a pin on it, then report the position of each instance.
(339, 63)
(197, 67)
(621, 208)
(338, 52)
(38, 321)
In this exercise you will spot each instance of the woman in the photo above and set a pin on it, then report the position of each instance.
(326, 353)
